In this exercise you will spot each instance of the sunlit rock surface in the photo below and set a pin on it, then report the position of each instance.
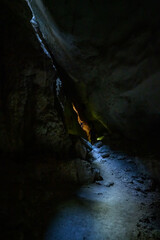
(111, 50)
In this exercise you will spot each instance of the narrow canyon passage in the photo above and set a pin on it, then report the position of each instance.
(124, 205)
(79, 120)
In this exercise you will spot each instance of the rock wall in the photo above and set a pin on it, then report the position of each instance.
(111, 51)
(29, 119)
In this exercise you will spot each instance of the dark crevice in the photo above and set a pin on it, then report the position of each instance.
(68, 88)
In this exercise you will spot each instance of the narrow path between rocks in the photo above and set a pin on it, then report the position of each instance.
(125, 205)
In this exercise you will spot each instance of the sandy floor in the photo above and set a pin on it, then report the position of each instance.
(125, 205)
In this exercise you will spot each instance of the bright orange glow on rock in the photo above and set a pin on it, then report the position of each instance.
(83, 124)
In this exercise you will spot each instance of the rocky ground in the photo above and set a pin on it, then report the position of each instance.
(42, 197)
(123, 205)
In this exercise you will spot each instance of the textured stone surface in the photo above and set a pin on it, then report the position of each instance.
(85, 172)
(28, 110)
(124, 205)
(111, 50)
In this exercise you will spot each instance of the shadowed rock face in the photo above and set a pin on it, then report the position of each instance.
(111, 54)
(111, 51)
(28, 113)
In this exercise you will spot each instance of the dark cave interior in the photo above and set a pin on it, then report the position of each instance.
(80, 120)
